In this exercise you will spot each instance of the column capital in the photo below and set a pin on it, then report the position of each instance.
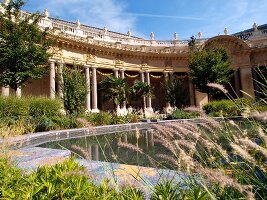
(52, 60)
(86, 66)
(165, 73)
(94, 66)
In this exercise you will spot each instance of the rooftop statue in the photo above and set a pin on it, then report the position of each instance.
(78, 24)
(46, 13)
(152, 36)
(199, 35)
(225, 31)
(255, 26)
(105, 30)
(129, 33)
(175, 36)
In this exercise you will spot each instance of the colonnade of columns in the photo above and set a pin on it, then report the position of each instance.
(196, 98)
(91, 83)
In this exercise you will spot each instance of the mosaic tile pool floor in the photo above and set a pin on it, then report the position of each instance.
(121, 174)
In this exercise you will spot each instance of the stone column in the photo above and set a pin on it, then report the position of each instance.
(94, 90)
(149, 104)
(142, 78)
(247, 82)
(88, 86)
(122, 77)
(52, 80)
(5, 91)
(237, 83)
(116, 73)
(191, 92)
(18, 92)
(60, 81)
(96, 152)
(89, 150)
(166, 76)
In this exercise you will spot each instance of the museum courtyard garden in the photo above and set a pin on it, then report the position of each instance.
(88, 113)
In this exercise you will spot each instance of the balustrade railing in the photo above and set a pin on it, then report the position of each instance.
(112, 37)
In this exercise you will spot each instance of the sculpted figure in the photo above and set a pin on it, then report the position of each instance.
(152, 36)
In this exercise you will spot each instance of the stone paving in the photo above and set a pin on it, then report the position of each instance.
(118, 174)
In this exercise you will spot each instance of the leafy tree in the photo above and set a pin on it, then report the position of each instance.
(139, 90)
(192, 42)
(209, 66)
(175, 92)
(23, 46)
(74, 90)
(114, 90)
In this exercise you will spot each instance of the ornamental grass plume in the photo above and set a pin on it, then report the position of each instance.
(262, 135)
(219, 176)
(83, 152)
(171, 159)
(260, 116)
(249, 144)
(218, 86)
(242, 152)
(130, 147)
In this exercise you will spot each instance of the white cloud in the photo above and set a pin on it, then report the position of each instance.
(98, 13)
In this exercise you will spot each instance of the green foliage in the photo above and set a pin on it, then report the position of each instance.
(227, 108)
(114, 89)
(209, 66)
(67, 180)
(23, 46)
(98, 119)
(32, 114)
(139, 90)
(29, 106)
(175, 92)
(166, 190)
(182, 114)
(74, 90)
(106, 118)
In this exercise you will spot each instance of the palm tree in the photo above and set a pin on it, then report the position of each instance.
(114, 89)
(139, 91)
(174, 91)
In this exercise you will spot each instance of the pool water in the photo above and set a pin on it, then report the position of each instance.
(106, 148)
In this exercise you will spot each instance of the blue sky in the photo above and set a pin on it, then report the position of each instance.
(163, 17)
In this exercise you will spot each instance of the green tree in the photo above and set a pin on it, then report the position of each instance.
(174, 91)
(23, 46)
(74, 90)
(139, 90)
(114, 89)
(209, 66)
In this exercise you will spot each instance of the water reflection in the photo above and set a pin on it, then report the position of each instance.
(106, 148)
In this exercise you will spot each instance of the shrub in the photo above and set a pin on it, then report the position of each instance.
(29, 106)
(74, 90)
(182, 114)
(13, 107)
(227, 108)
(67, 180)
(101, 118)
(43, 106)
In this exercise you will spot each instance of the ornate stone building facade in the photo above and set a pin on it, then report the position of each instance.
(101, 52)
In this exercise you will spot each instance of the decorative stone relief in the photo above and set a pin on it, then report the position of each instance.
(119, 62)
(90, 58)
